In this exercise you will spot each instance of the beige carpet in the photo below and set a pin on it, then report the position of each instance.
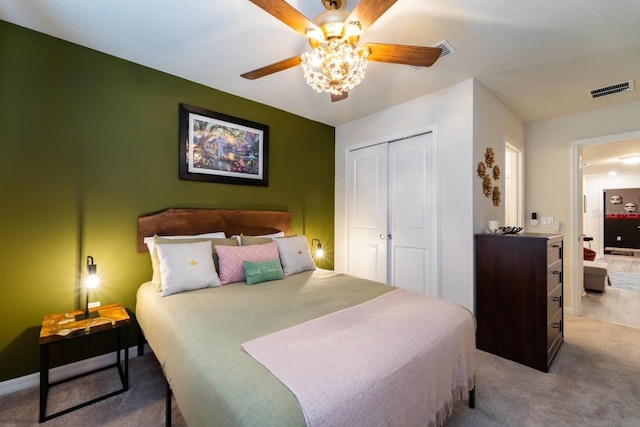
(595, 381)
(142, 405)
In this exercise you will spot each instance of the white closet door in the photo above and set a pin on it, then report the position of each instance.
(412, 199)
(367, 192)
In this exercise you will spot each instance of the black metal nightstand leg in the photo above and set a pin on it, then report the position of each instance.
(141, 341)
(167, 415)
(126, 359)
(44, 380)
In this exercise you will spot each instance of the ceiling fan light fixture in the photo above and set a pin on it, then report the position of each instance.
(335, 67)
(331, 22)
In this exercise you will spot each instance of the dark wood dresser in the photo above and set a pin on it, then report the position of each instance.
(519, 297)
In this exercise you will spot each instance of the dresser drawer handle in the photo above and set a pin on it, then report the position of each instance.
(555, 272)
(555, 246)
(556, 298)
(556, 325)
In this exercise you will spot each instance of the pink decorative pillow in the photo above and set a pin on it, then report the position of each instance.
(232, 259)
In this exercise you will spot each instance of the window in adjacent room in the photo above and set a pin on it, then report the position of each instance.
(513, 186)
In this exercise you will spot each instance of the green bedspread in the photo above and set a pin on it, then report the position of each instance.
(196, 336)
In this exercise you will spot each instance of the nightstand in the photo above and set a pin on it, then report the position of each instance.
(62, 327)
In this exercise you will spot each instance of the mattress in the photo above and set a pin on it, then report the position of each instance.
(197, 336)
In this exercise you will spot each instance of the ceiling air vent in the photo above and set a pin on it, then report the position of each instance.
(447, 49)
(612, 89)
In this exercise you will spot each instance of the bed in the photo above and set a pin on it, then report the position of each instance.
(230, 353)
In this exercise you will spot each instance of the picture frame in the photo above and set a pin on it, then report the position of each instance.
(216, 147)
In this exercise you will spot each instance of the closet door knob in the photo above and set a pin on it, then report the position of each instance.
(381, 236)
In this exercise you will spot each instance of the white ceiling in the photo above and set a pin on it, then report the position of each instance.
(539, 57)
(602, 159)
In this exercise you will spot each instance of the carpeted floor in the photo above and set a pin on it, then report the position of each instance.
(143, 405)
(595, 381)
(625, 280)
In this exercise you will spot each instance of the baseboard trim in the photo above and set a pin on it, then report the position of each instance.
(66, 371)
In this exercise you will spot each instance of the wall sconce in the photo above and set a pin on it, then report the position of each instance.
(92, 281)
(319, 253)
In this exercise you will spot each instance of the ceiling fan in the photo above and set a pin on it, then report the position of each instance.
(336, 64)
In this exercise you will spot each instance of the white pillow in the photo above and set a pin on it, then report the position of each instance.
(278, 234)
(186, 267)
(294, 255)
(217, 235)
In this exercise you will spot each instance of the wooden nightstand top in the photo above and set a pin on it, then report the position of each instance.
(61, 326)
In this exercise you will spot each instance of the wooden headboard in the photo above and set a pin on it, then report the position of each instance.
(188, 221)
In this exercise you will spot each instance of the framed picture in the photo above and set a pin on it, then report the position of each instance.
(215, 147)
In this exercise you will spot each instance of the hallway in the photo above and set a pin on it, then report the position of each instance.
(619, 306)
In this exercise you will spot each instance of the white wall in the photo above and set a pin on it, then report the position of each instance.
(449, 113)
(548, 168)
(492, 123)
(594, 215)
(458, 114)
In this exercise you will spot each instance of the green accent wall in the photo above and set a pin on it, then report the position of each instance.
(88, 142)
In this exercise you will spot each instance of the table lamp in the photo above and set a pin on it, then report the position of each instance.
(319, 252)
(90, 282)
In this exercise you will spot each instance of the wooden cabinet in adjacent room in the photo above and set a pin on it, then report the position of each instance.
(519, 297)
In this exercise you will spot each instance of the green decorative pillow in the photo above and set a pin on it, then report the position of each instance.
(265, 271)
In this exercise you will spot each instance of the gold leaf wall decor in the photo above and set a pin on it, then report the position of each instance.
(482, 170)
(486, 185)
(497, 196)
(489, 157)
(488, 189)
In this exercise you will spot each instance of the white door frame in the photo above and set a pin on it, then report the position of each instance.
(433, 129)
(576, 202)
(510, 142)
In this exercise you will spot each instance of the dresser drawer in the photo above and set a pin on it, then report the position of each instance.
(554, 328)
(554, 275)
(554, 302)
(554, 252)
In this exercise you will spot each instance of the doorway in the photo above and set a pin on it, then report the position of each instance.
(590, 179)
(513, 185)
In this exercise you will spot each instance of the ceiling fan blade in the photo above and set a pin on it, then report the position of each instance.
(421, 56)
(290, 16)
(368, 11)
(285, 64)
(336, 98)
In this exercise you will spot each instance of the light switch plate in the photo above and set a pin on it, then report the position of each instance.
(546, 221)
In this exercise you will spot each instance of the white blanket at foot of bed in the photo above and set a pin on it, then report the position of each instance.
(400, 359)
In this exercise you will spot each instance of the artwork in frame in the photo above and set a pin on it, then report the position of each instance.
(215, 147)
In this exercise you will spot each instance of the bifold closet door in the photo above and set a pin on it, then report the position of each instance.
(367, 192)
(391, 213)
(412, 214)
